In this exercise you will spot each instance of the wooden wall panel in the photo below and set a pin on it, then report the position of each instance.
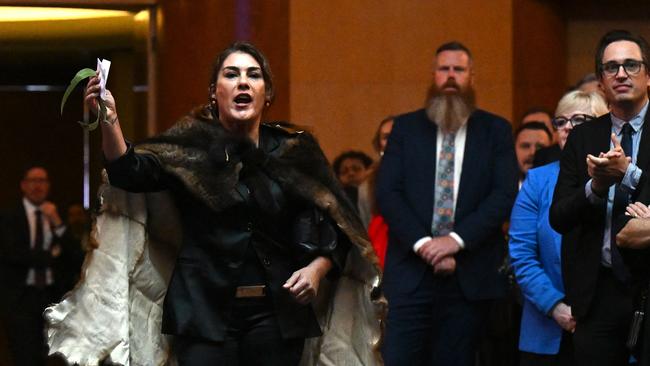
(191, 34)
(194, 31)
(540, 55)
(34, 133)
(354, 62)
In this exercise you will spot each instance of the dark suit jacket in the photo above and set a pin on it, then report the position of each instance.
(581, 223)
(16, 256)
(488, 186)
(547, 155)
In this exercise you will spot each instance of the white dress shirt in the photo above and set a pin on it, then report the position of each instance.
(30, 212)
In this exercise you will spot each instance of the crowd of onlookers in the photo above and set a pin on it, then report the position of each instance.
(574, 296)
(500, 246)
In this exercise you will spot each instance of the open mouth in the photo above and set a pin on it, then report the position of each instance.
(243, 99)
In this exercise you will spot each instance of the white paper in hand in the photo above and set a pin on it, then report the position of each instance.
(102, 67)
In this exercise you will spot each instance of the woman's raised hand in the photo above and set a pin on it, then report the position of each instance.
(113, 143)
(91, 94)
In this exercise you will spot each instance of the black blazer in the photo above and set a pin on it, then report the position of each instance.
(581, 223)
(488, 187)
(547, 155)
(216, 246)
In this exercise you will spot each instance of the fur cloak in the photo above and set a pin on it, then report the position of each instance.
(114, 313)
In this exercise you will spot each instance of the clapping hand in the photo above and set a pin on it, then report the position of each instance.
(608, 168)
(637, 210)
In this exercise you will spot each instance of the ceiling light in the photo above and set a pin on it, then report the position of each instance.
(32, 14)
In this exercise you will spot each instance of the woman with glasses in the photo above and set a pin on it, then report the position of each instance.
(535, 247)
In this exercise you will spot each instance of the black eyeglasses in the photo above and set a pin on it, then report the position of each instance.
(575, 120)
(631, 67)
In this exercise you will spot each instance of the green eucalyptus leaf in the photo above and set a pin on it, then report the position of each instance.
(88, 126)
(81, 75)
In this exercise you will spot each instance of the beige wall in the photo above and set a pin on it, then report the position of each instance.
(354, 62)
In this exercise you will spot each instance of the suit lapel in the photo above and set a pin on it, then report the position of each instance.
(427, 154)
(470, 157)
(643, 156)
(603, 139)
(23, 224)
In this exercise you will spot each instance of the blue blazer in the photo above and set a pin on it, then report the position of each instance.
(535, 250)
(486, 191)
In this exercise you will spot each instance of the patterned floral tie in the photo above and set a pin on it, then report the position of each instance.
(443, 208)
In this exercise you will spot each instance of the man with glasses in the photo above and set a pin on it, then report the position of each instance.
(600, 173)
(32, 246)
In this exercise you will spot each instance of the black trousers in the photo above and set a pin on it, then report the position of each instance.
(564, 357)
(253, 338)
(434, 326)
(499, 344)
(599, 339)
(25, 325)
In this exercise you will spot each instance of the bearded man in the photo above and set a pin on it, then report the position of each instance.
(446, 184)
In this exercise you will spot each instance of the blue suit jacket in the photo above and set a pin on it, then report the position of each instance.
(405, 194)
(535, 250)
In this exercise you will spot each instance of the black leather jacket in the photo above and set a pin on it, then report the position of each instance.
(216, 253)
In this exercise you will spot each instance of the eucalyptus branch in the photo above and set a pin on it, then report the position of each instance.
(101, 113)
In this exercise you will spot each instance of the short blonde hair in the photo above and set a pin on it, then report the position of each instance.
(579, 100)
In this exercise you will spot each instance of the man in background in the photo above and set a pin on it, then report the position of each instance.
(33, 246)
(529, 138)
(446, 184)
(538, 114)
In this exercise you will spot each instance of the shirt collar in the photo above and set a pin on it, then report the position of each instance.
(30, 207)
(462, 128)
(636, 122)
